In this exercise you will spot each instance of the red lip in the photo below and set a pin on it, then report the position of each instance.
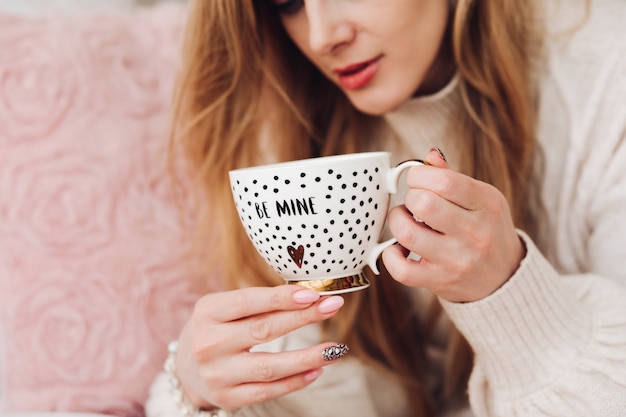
(358, 75)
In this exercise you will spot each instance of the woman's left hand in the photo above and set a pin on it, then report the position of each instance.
(467, 241)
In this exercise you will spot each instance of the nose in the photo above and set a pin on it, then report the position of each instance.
(328, 30)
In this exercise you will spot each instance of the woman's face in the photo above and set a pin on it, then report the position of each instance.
(379, 52)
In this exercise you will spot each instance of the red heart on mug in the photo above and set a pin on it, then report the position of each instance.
(296, 254)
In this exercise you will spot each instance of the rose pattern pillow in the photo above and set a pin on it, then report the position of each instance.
(94, 269)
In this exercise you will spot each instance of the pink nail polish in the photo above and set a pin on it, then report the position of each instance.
(305, 296)
(330, 304)
(440, 152)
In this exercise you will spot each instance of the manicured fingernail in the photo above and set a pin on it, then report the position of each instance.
(305, 296)
(330, 304)
(334, 352)
(440, 152)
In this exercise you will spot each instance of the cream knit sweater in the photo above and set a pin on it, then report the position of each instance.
(552, 340)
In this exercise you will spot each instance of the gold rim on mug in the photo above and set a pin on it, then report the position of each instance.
(335, 285)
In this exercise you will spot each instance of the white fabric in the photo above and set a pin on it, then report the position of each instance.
(552, 340)
(558, 346)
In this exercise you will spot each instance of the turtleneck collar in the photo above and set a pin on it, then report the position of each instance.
(423, 122)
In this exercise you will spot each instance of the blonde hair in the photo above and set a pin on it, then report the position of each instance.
(238, 87)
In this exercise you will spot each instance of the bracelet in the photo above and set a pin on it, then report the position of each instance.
(187, 409)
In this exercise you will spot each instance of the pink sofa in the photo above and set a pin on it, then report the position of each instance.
(93, 274)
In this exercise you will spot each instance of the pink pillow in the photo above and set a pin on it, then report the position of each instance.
(93, 275)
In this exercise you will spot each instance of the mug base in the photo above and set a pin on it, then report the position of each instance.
(335, 285)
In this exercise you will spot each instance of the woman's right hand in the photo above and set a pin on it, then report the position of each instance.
(214, 362)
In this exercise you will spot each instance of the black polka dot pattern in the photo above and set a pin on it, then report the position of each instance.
(314, 223)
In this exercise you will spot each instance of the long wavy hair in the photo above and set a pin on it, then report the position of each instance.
(247, 96)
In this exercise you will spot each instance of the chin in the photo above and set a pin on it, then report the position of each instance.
(377, 104)
(376, 107)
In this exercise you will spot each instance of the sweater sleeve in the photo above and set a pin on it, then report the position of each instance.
(551, 343)
(547, 345)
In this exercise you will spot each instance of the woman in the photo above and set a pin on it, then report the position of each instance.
(532, 280)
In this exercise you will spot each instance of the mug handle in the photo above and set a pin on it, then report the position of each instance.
(393, 176)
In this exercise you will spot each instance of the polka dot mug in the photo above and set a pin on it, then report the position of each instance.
(317, 221)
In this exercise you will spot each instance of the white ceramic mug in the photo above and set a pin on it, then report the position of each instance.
(317, 221)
